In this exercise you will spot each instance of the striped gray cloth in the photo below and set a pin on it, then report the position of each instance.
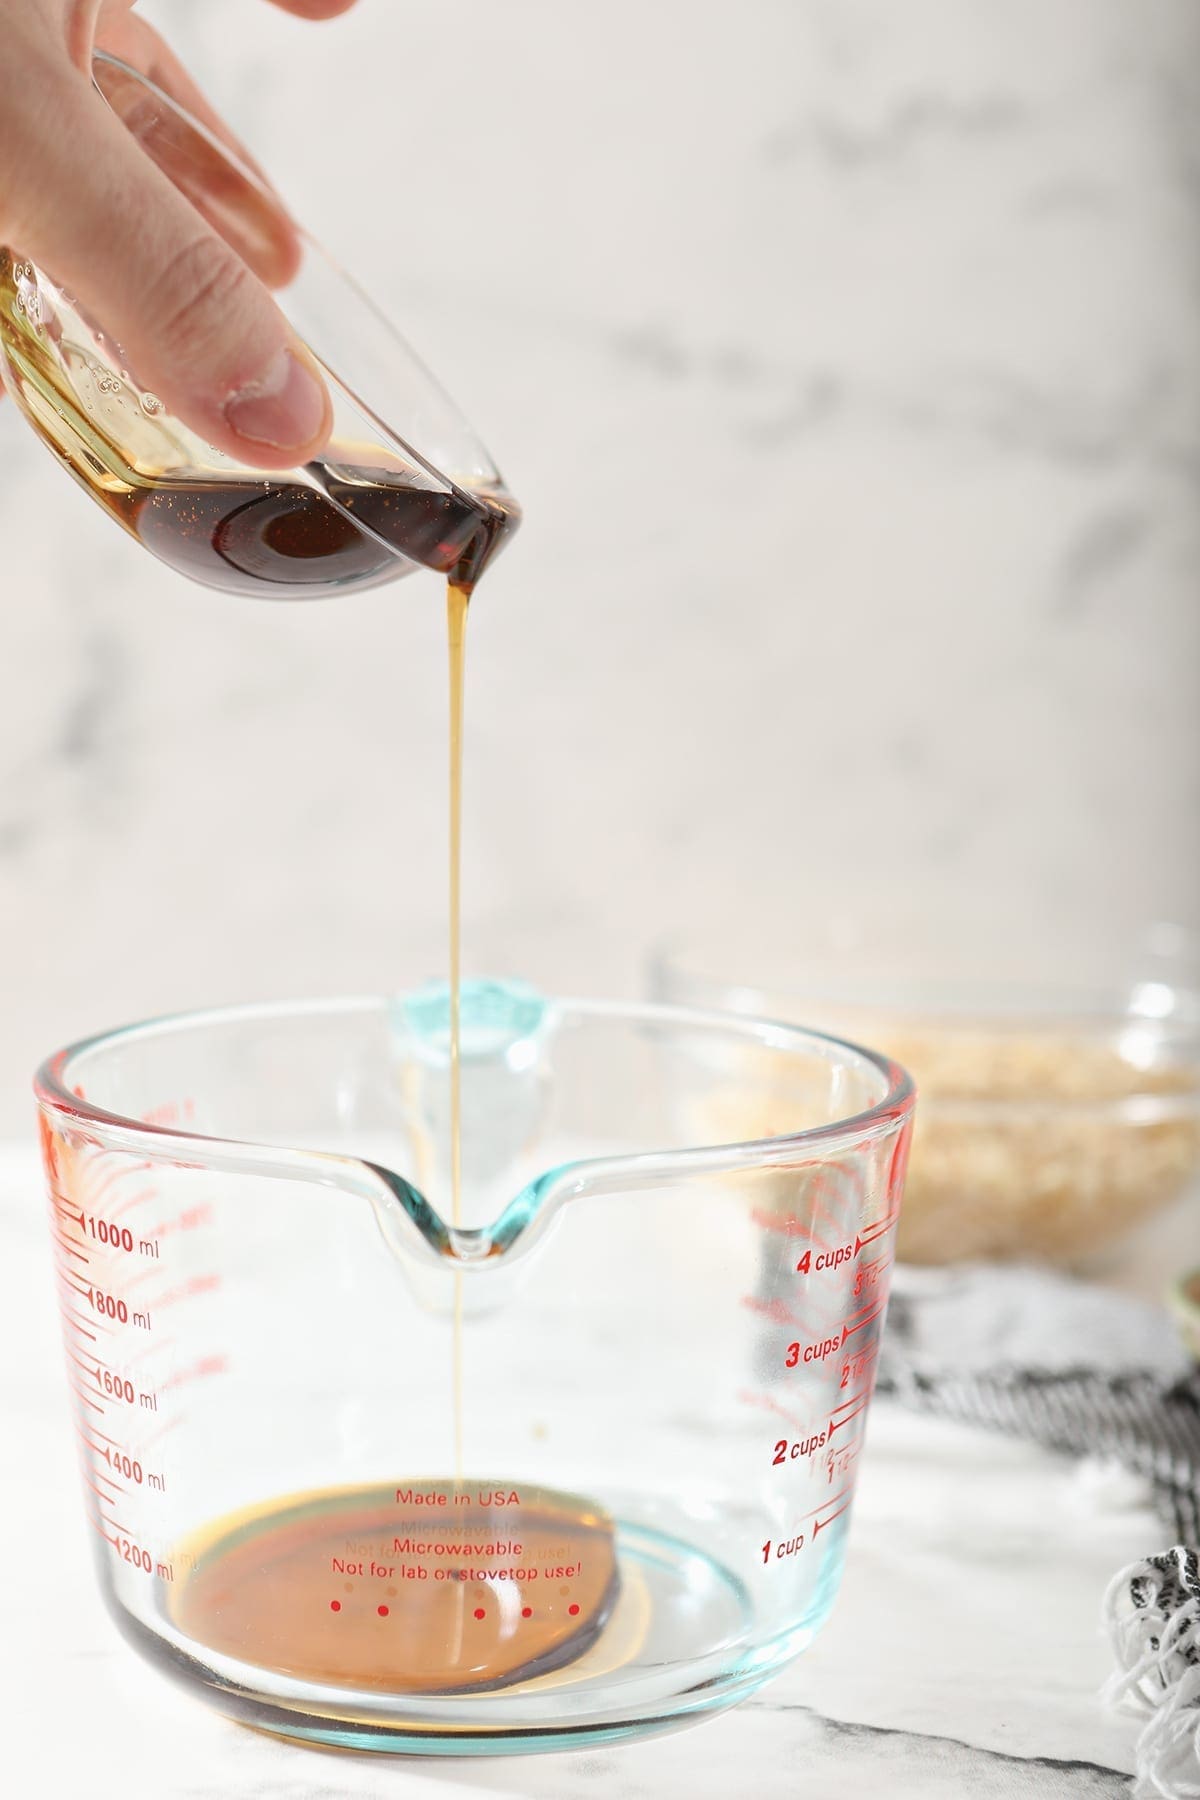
(1151, 1427)
(1006, 1331)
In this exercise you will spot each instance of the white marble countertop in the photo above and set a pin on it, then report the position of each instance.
(965, 1653)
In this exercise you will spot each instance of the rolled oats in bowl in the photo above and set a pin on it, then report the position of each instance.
(1048, 1125)
(1038, 1140)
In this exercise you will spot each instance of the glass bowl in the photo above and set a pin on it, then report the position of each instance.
(1054, 1118)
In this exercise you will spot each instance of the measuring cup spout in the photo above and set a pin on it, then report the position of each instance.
(409, 1223)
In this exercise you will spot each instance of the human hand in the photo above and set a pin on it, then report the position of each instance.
(180, 282)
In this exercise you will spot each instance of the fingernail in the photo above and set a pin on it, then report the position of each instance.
(285, 408)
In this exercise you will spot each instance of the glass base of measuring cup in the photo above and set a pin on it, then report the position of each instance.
(676, 1641)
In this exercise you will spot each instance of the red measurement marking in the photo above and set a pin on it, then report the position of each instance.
(74, 1323)
(804, 1355)
(96, 1449)
(69, 1248)
(132, 1474)
(572, 1610)
(859, 1363)
(876, 1231)
(820, 1524)
(108, 1440)
(830, 1500)
(382, 1611)
(479, 1613)
(857, 1323)
(826, 1261)
(838, 1462)
(107, 1498)
(867, 1274)
(88, 1294)
(836, 1424)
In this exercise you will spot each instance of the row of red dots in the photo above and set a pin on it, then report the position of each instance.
(480, 1612)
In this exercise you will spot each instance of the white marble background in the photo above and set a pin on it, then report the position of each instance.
(848, 354)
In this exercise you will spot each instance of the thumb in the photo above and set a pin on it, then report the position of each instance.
(193, 321)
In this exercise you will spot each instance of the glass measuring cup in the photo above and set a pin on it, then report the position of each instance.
(657, 1356)
(404, 482)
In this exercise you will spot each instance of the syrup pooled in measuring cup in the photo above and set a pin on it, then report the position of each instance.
(425, 1588)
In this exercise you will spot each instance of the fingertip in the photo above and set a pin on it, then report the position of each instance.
(316, 9)
(284, 416)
